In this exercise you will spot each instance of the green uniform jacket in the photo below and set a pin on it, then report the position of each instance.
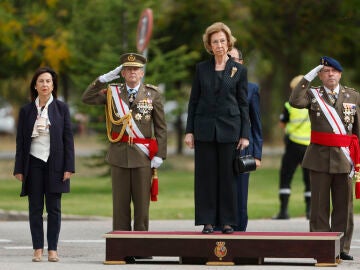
(122, 154)
(318, 157)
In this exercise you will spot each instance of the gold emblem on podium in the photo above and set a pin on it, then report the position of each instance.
(220, 250)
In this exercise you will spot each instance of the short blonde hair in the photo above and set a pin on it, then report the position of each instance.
(295, 81)
(215, 28)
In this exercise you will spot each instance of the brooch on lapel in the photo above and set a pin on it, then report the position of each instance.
(233, 71)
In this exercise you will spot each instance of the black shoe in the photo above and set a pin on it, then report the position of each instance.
(143, 257)
(208, 229)
(346, 257)
(281, 216)
(227, 229)
(130, 259)
(217, 229)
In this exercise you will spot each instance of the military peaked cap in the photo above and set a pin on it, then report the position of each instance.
(132, 60)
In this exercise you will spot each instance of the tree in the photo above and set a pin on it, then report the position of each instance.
(289, 38)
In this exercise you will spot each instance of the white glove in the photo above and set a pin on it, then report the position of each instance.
(110, 76)
(313, 73)
(156, 162)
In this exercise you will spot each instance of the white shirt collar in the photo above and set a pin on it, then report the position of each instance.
(336, 90)
(136, 87)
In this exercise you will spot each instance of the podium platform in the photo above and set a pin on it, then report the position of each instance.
(223, 249)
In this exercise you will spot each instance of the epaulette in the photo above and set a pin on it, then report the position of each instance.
(152, 86)
(120, 85)
(349, 88)
(117, 84)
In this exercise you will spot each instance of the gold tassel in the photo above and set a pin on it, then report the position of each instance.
(124, 121)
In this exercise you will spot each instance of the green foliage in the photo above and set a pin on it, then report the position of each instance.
(91, 195)
(84, 39)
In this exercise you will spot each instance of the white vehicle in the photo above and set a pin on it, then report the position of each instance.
(7, 119)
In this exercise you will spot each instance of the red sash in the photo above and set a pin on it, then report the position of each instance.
(150, 144)
(332, 139)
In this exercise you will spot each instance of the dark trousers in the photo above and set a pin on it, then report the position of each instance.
(215, 188)
(292, 158)
(37, 185)
(242, 187)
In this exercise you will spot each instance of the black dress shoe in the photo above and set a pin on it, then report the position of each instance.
(346, 257)
(208, 229)
(227, 229)
(281, 216)
(130, 259)
(143, 257)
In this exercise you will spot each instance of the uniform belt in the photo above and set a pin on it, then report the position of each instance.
(331, 139)
(151, 144)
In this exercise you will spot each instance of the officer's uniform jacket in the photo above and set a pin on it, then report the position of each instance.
(318, 157)
(122, 154)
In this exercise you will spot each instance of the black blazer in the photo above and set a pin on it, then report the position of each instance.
(221, 116)
(61, 157)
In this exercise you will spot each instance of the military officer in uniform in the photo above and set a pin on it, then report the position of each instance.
(332, 155)
(137, 132)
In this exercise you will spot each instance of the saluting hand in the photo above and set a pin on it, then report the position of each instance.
(313, 73)
(110, 76)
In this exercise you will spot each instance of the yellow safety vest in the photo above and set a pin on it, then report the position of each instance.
(298, 128)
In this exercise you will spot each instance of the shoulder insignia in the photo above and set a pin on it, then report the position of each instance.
(315, 87)
(120, 85)
(349, 88)
(152, 86)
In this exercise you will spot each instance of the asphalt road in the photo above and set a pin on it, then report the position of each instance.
(82, 246)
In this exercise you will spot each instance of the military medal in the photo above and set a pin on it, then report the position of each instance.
(145, 107)
(138, 116)
(349, 112)
(131, 98)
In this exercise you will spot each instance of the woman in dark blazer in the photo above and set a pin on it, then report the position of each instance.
(217, 124)
(44, 160)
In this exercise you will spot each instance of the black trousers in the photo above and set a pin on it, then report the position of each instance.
(242, 186)
(215, 185)
(292, 158)
(38, 181)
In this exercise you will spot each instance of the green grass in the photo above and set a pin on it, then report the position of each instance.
(91, 195)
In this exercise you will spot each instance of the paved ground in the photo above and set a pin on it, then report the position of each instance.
(82, 246)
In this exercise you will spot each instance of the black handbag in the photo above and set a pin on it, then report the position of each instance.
(243, 164)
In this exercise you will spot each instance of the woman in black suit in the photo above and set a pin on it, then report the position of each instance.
(217, 124)
(44, 159)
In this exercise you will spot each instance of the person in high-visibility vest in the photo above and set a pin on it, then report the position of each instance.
(297, 127)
